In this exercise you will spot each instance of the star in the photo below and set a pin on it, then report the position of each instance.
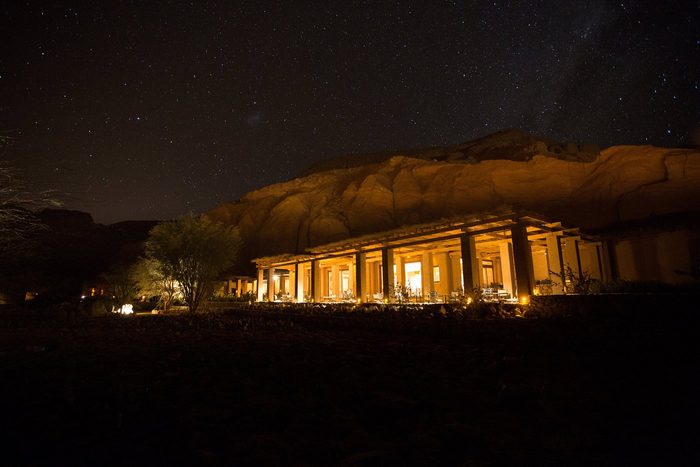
(271, 91)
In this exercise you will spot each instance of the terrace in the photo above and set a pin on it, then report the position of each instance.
(503, 256)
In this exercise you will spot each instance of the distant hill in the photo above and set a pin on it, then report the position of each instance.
(71, 251)
(356, 195)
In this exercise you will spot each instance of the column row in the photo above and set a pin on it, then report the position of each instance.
(509, 266)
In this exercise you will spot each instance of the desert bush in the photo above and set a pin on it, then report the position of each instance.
(572, 282)
(246, 297)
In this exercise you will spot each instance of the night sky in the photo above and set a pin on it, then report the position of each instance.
(148, 110)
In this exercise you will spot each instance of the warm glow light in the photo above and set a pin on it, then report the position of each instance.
(413, 274)
(126, 309)
(524, 300)
(469, 300)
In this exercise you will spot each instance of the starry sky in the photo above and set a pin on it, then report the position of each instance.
(149, 110)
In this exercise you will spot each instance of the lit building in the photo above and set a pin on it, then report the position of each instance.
(507, 255)
(237, 286)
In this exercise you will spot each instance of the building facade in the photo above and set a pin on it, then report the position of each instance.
(505, 255)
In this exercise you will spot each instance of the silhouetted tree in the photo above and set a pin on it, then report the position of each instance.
(151, 281)
(18, 205)
(193, 251)
(20, 227)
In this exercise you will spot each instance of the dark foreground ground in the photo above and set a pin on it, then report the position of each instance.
(273, 388)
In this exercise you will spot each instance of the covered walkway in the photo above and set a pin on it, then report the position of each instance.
(503, 256)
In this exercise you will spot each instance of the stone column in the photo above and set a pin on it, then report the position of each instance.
(315, 280)
(468, 248)
(271, 284)
(238, 287)
(261, 276)
(426, 267)
(322, 282)
(335, 289)
(577, 246)
(448, 274)
(507, 270)
(359, 277)
(610, 263)
(299, 295)
(555, 263)
(522, 257)
(351, 276)
(368, 279)
(387, 272)
(399, 261)
(294, 282)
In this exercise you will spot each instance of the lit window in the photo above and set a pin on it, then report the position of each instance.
(436, 273)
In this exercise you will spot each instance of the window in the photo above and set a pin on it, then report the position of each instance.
(487, 273)
(344, 280)
(413, 275)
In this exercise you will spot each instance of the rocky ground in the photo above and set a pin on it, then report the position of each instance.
(274, 388)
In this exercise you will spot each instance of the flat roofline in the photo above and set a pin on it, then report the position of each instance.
(475, 224)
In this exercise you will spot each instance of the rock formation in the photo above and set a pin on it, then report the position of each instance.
(579, 185)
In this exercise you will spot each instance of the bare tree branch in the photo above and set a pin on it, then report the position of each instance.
(18, 205)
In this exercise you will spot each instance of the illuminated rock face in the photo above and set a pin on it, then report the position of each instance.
(622, 183)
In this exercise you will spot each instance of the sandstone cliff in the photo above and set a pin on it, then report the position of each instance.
(578, 185)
